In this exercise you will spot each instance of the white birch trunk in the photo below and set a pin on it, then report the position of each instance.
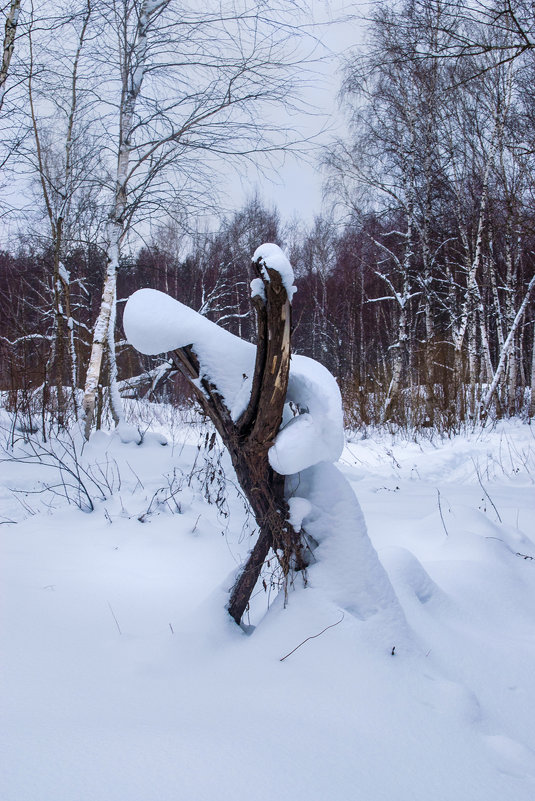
(498, 316)
(510, 375)
(9, 45)
(100, 338)
(397, 367)
(104, 332)
(472, 297)
(531, 411)
(401, 345)
(485, 345)
(74, 365)
(507, 347)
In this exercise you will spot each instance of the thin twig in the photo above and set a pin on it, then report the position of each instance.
(440, 510)
(485, 491)
(116, 621)
(312, 638)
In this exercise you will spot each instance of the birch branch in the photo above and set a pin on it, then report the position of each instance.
(507, 347)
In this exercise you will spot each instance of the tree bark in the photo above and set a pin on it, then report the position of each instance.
(100, 341)
(9, 45)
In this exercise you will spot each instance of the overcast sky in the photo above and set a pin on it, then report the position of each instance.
(296, 186)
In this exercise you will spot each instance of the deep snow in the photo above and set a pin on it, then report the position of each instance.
(125, 680)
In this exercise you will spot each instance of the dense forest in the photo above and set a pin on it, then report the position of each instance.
(415, 282)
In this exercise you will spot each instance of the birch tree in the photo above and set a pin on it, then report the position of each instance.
(436, 152)
(394, 162)
(63, 163)
(192, 87)
(507, 346)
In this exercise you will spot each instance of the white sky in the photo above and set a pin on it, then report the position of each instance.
(296, 187)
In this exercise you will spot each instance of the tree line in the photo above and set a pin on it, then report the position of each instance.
(415, 282)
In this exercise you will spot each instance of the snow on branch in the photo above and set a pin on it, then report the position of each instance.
(155, 323)
(25, 338)
(312, 424)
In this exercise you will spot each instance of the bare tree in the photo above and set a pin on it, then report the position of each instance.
(63, 166)
(465, 31)
(191, 88)
(507, 347)
(393, 159)
(439, 152)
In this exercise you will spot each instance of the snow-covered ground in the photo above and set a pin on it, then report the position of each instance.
(124, 679)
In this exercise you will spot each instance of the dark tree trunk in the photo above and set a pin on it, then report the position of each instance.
(249, 438)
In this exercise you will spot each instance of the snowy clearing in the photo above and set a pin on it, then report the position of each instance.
(124, 679)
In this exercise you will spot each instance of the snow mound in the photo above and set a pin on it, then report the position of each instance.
(316, 432)
(346, 567)
(409, 576)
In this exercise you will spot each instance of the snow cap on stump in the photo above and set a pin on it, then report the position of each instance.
(270, 257)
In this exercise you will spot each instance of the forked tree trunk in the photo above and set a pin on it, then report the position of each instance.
(249, 438)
